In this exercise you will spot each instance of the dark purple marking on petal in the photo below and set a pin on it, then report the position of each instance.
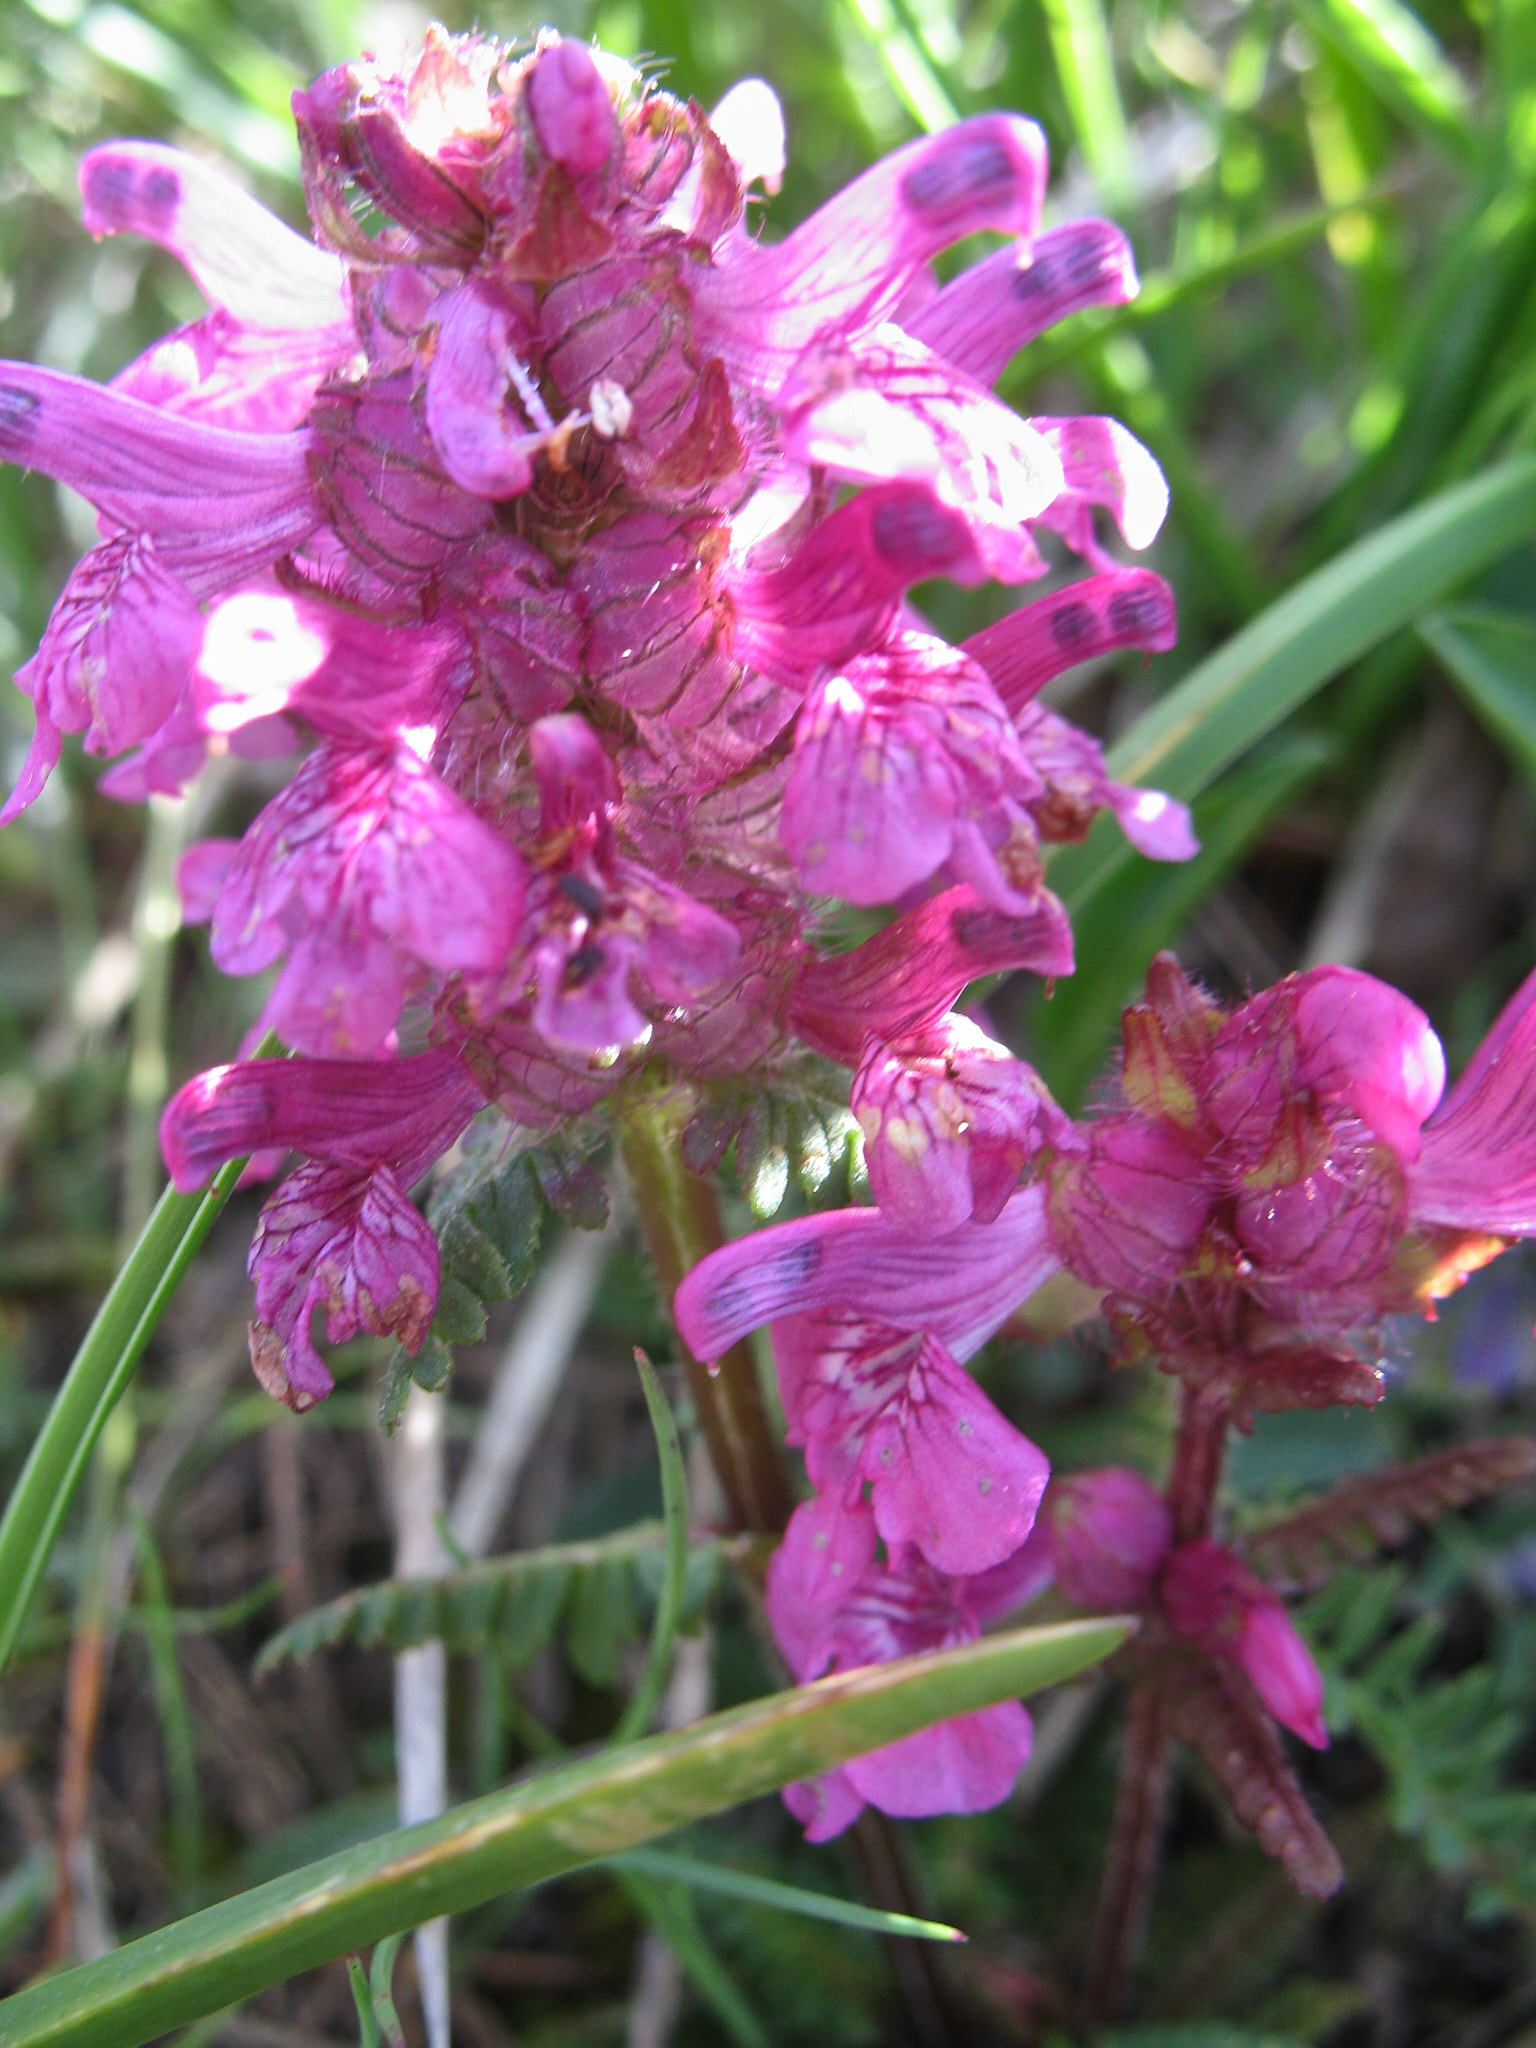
(18, 409)
(981, 169)
(1133, 612)
(1072, 625)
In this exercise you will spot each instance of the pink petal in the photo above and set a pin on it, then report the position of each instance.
(962, 1766)
(1477, 1170)
(948, 1473)
(995, 307)
(244, 259)
(1105, 465)
(219, 506)
(486, 446)
(1080, 622)
(569, 106)
(401, 1112)
(1111, 1530)
(910, 973)
(960, 1287)
(826, 1551)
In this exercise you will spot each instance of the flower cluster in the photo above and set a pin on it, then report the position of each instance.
(1260, 1189)
(560, 528)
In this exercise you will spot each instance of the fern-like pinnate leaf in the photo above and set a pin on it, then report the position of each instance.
(599, 1590)
(1211, 1708)
(1382, 1509)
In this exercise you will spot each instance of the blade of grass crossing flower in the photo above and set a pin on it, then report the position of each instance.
(1491, 656)
(94, 1384)
(1284, 656)
(557, 1821)
(1145, 907)
(638, 1715)
(785, 1898)
(1085, 64)
(1387, 46)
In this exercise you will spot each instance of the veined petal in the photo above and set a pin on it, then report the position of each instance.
(947, 1472)
(243, 258)
(981, 320)
(219, 506)
(885, 408)
(961, 1287)
(910, 973)
(1105, 465)
(851, 262)
(839, 590)
(1477, 1168)
(966, 1765)
(397, 1112)
(1095, 616)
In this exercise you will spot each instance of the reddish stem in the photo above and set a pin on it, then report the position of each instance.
(1141, 1797)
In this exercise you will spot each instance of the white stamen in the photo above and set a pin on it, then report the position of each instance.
(612, 411)
(528, 392)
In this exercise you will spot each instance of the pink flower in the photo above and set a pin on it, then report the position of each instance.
(1212, 1600)
(833, 1608)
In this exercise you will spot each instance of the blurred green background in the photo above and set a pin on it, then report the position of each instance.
(1333, 206)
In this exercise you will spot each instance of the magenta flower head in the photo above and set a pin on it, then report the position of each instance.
(560, 526)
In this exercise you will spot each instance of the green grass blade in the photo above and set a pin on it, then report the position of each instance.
(670, 1911)
(367, 2019)
(918, 86)
(1491, 656)
(1145, 907)
(641, 1711)
(1387, 46)
(785, 1898)
(1283, 657)
(572, 1815)
(1085, 64)
(94, 1384)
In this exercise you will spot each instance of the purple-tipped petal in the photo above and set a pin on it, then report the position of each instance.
(961, 1287)
(243, 258)
(981, 320)
(1094, 616)
(910, 973)
(219, 506)
(400, 1112)
(850, 264)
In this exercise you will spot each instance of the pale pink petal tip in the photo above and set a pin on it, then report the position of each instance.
(750, 122)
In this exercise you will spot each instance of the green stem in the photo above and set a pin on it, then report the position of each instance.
(94, 1385)
(681, 1220)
